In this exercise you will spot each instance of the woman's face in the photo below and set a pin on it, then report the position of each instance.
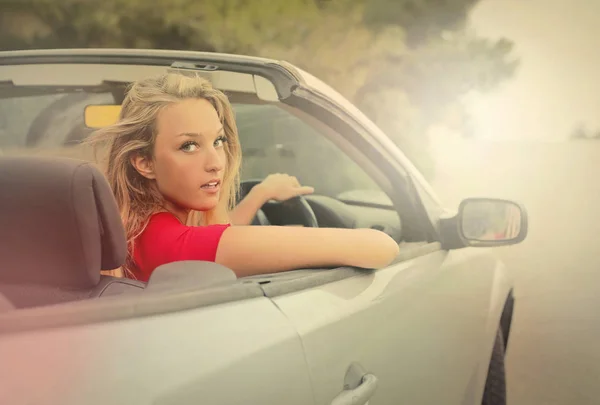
(189, 156)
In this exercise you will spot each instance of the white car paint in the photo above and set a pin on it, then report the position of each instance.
(420, 326)
(244, 352)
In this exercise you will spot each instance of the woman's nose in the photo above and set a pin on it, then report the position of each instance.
(214, 161)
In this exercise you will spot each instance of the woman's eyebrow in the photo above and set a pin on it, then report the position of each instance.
(198, 134)
(190, 134)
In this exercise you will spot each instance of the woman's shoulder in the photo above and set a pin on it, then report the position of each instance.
(164, 218)
(161, 222)
(166, 239)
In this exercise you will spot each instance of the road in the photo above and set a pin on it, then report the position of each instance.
(554, 352)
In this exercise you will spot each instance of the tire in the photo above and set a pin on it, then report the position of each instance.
(495, 384)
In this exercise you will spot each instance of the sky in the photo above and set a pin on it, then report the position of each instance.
(557, 84)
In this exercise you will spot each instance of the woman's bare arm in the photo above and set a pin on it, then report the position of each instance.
(251, 250)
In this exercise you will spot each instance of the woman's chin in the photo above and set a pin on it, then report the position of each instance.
(208, 204)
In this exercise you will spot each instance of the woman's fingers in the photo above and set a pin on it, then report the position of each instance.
(303, 190)
(282, 186)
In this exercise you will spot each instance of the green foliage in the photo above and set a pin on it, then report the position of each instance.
(421, 19)
(436, 75)
(220, 25)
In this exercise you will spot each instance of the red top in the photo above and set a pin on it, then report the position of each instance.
(166, 240)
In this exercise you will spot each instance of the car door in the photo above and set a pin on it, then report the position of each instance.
(420, 326)
(164, 348)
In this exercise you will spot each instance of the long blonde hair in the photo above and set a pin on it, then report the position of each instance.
(135, 134)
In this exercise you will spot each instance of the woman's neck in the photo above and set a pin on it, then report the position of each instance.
(181, 214)
(218, 215)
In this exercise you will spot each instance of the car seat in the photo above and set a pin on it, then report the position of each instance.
(59, 227)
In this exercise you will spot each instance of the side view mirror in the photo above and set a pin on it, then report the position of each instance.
(485, 222)
(491, 222)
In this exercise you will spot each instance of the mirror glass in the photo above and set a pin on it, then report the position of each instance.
(490, 220)
(100, 116)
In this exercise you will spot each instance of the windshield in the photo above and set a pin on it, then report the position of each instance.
(273, 139)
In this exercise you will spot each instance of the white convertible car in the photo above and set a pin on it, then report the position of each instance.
(431, 328)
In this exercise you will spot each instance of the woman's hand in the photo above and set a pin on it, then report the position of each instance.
(282, 187)
(278, 187)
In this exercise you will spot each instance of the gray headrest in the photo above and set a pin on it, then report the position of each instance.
(59, 222)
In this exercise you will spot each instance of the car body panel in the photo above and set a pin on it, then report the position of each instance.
(233, 353)
(424, 327)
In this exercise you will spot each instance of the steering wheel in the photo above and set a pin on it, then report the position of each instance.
(297, 205)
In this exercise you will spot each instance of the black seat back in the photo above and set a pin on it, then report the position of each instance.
(59, 226)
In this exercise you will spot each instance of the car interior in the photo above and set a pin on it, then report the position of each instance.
(62, 221)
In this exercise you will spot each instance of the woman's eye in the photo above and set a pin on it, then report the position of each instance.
(189, 146)
(220, 141)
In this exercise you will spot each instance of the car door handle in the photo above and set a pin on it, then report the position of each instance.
(359, 395)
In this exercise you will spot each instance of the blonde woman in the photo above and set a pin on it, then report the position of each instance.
(173, 164)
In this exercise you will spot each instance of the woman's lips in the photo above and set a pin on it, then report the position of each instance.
(212, 186)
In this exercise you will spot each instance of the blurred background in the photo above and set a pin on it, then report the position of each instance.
(497, 98)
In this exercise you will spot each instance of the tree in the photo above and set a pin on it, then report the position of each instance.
(437, 62)
(436, 75)
(580, 132)
(205, 25)
(421, 19)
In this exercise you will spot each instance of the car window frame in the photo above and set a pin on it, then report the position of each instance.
(365, 147)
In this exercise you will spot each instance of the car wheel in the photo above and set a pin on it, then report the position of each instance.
(495, 384)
